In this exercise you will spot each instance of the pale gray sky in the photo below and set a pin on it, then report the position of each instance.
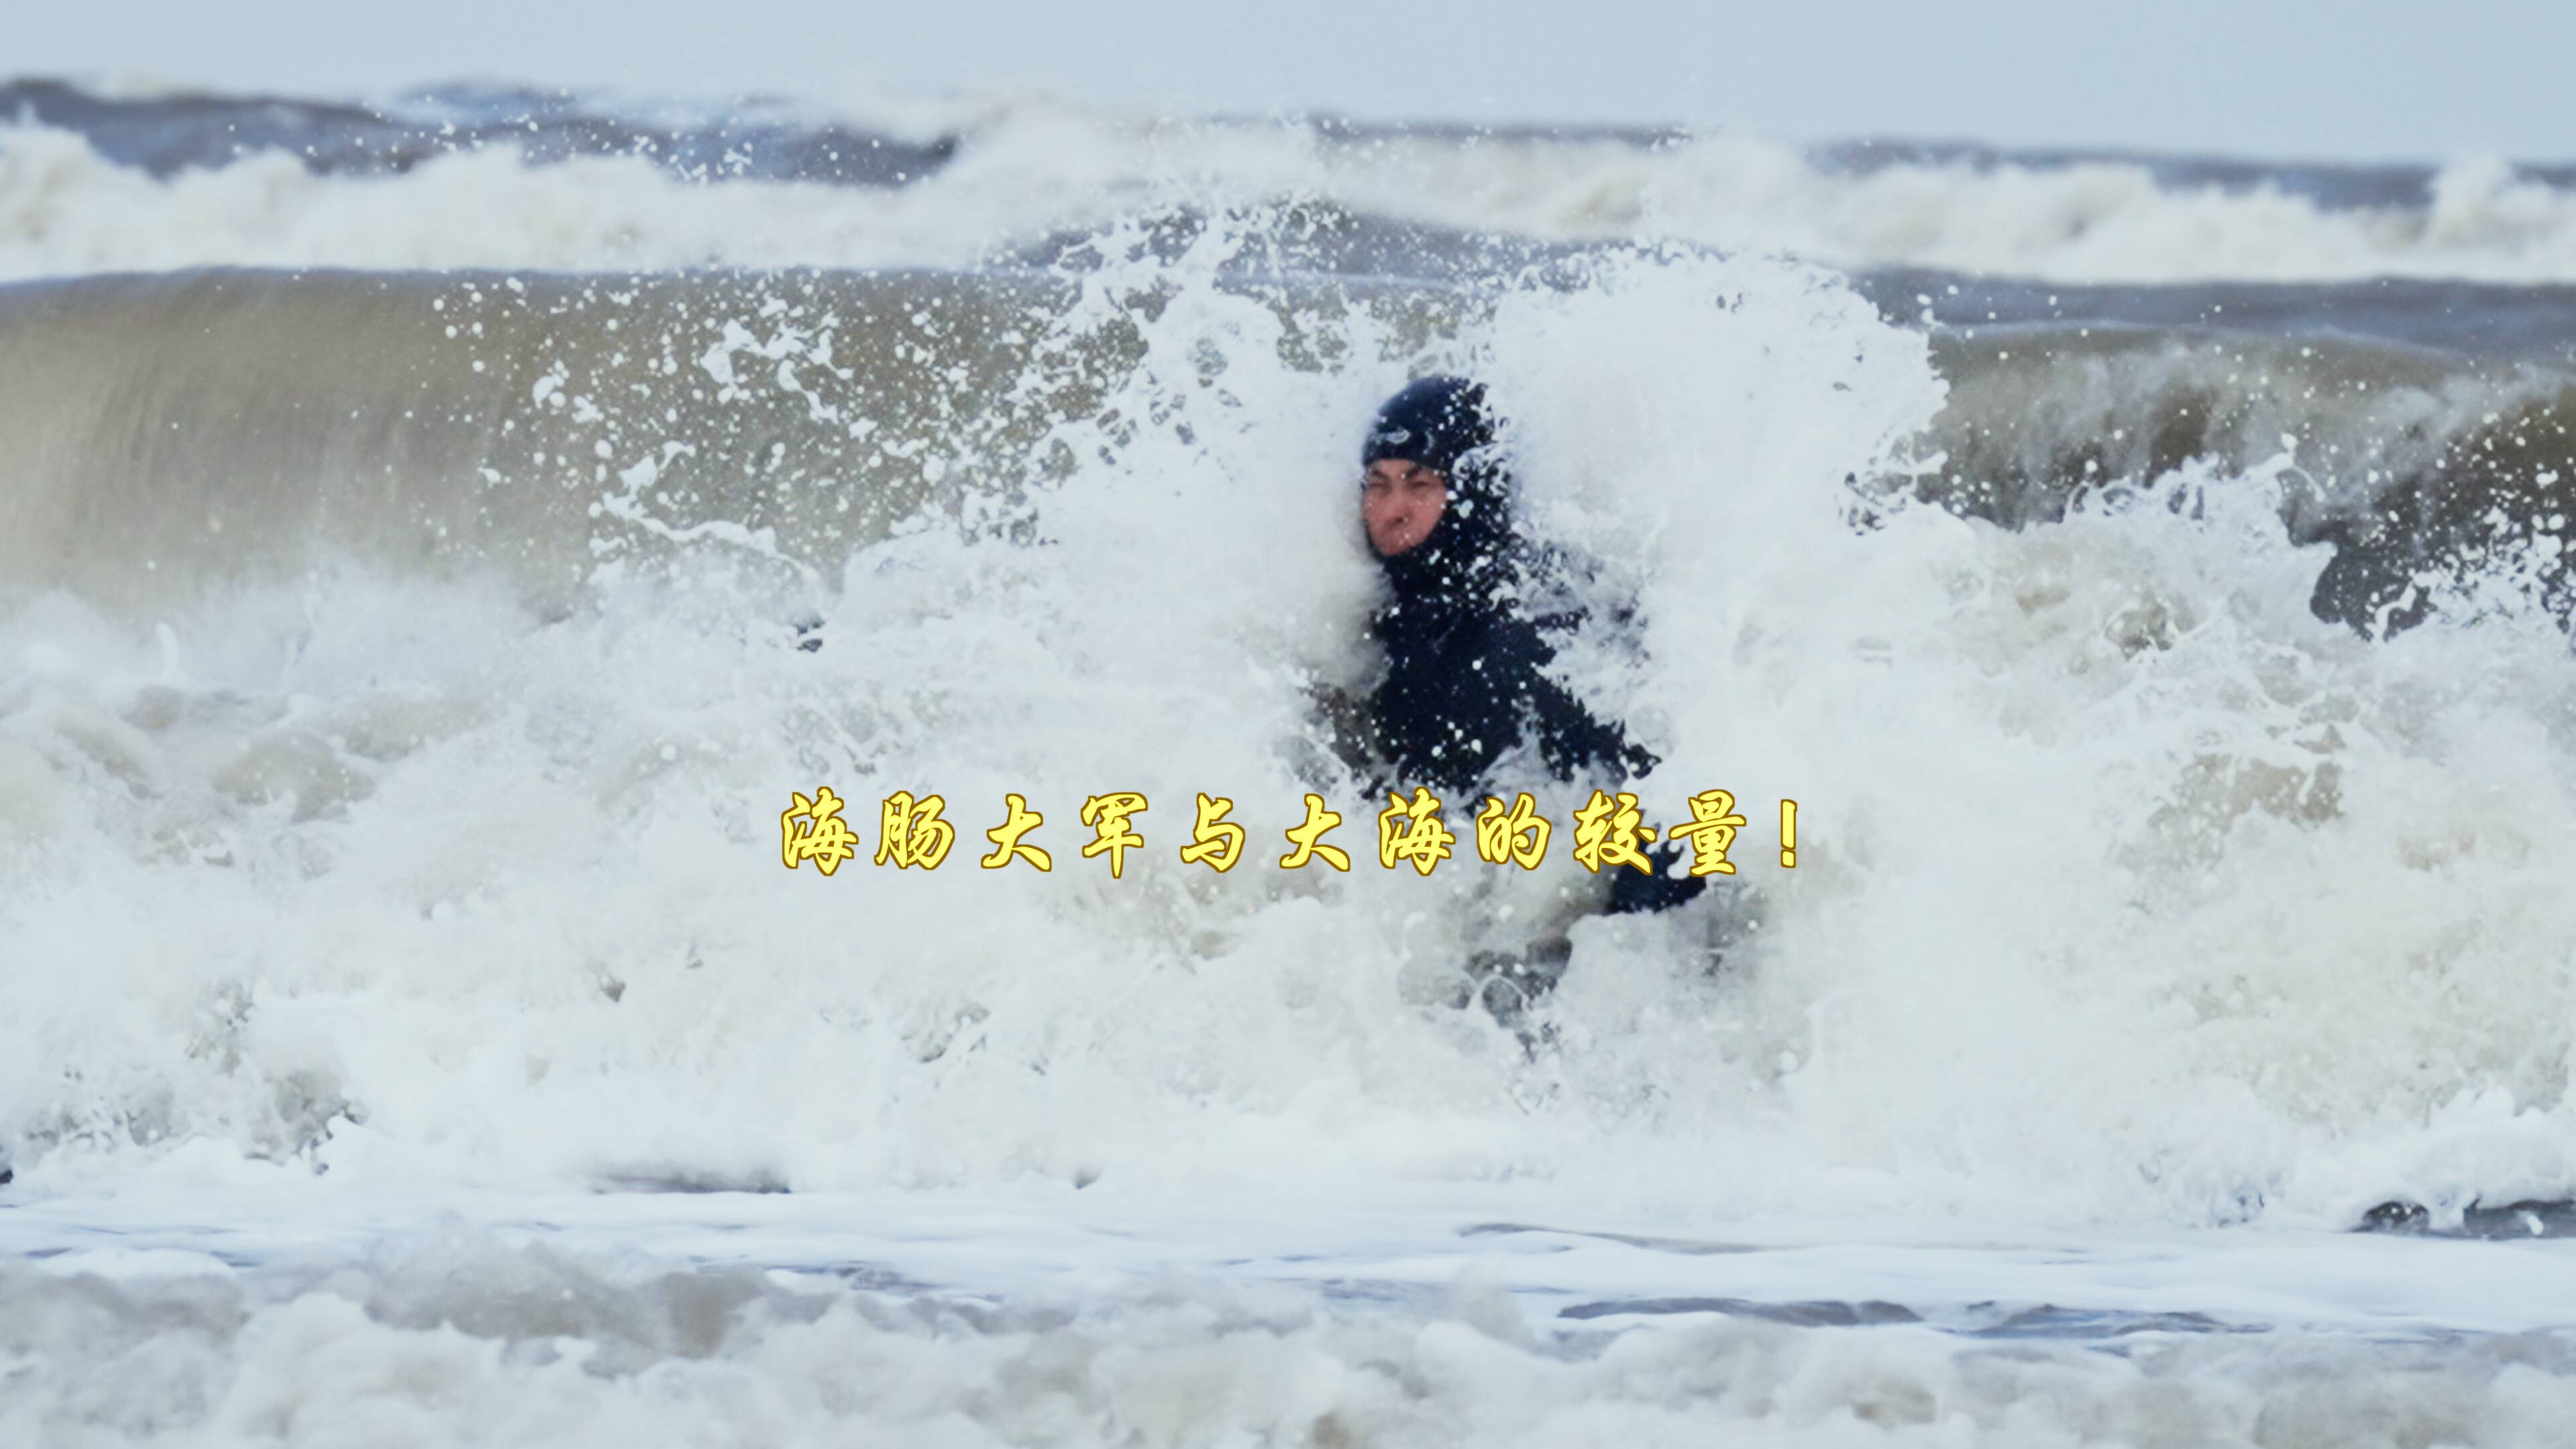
(2364, 78)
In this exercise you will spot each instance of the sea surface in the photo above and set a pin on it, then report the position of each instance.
(440, 536)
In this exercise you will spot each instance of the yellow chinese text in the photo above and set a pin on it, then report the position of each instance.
(1308, 837)
(1215, 842)
(914, 834)
(1606, 833)
(824, 838)
(1006, 837)
(1107, 815)
(1518, 835)
(1712, 828)
(1411, 830)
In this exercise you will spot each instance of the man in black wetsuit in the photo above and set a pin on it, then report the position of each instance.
(1466, 660)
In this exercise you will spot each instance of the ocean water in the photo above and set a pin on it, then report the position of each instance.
(438, 540)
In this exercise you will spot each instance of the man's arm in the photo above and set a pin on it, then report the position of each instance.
(1575, 741)
(1572, 739)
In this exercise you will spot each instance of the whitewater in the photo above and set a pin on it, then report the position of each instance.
(437, 544)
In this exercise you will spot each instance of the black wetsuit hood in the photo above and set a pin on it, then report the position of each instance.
(1461, 661)
(1465, 566)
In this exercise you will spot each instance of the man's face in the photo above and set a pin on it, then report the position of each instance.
(1399, 502)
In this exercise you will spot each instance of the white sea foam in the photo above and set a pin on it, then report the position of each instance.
(2128, 891)
(1030, 166)
(465, 1336)
(2130, 897)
